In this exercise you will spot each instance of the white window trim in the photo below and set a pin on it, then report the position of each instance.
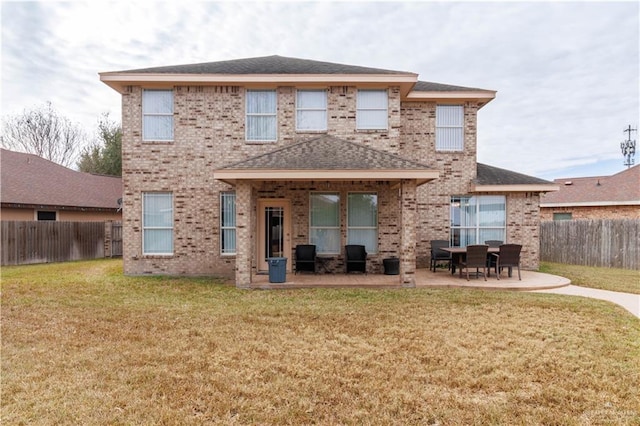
(223, 228)
(145, 228)
(256, 114)
(159, 114)
(326, 114)
(365, 227)
(461, 126)
(325, 227)
(385, 109)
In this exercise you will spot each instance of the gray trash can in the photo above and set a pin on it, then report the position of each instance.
(277, 269)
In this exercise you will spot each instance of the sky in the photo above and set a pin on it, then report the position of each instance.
(566, 73)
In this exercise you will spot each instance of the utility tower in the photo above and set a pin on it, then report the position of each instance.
(628, 147)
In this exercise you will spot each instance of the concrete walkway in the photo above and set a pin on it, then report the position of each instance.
(631, 302)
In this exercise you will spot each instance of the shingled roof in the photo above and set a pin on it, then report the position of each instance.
(29, 180)
(327, 157)
(495, 179)
(622, 188)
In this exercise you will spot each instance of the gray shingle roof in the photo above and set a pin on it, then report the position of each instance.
(31, 180)
(327, 153)
(265, 65)
(427, 86)
(489, 175)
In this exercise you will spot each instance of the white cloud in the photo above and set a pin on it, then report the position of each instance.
(566, 73)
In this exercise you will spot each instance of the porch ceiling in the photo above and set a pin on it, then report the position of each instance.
(326, 158)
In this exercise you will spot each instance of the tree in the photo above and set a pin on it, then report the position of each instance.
(104, 156)
(45, 133)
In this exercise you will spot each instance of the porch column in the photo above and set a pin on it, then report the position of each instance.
(243, 234)
(408, 215)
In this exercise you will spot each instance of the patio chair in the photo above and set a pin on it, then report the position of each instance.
(493, 243)
(306, 258)
(438, 255)
(508, 257)
(476, 258)
(355, 258)
(491, 261)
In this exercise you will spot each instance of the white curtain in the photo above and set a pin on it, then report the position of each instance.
(157, 223)
(449, 128)
(261, 115)
(157, 111)
(362, 212)
(324, 222)
(372, 109)
(311, 110)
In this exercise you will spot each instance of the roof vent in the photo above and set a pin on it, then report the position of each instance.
(568, 183)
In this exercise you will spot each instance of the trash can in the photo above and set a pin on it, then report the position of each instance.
(277, 269)
(391, 266)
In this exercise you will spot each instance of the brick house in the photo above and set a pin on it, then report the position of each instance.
(34, 188)
(597, 197)
(228, 163)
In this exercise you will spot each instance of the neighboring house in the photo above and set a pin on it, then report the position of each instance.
(32, 188)
(599, 197)
(228, 163)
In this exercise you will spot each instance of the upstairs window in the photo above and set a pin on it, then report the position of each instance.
(324, 222)
(449, 128)
(261, 115)
(362, 220)
(157, 115)
(372, 110)
(311, 110)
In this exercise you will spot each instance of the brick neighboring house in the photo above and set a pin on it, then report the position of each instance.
(228, 163)
(32, 188)
(598, 197)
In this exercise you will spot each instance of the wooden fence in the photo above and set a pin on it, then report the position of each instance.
(605, 242)
(26, 242)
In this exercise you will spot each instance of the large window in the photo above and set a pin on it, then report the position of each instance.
(324, 222)
(362, 220)
(157, 223)
(449, 128)
(228, 223)
(311, 110)
(157, 115)
(261, 115)
(476, 219)
(372, 110)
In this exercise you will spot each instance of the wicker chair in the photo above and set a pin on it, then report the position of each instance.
(306, 258)
(356, 258)
(508, 257)
(438, 255)
(476, 258)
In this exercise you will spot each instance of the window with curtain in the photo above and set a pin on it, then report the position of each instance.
(261, 115)
(476, 219)
(449, 128)
(311, 110)
(362, 220)
(324, 222)
(228, 223)
(157, 115)
(372, 110)
(157, 223)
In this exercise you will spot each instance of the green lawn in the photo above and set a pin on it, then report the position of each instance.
(82, 344)
(624, 280)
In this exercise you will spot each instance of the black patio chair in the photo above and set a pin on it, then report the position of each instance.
(508, 257)
(306, 258)
(355, 258)
(476, 258)
(438, 255)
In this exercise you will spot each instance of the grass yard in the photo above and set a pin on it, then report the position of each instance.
(614, 279)
(82, 344)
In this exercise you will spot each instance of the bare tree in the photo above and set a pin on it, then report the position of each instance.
(45, 133)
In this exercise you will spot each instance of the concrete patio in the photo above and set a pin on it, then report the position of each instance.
(424, 278)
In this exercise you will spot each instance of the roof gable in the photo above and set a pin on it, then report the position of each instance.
(31, 180)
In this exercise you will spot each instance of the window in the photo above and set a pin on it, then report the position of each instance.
(449, 128)
(477, 219)
(562, 216)
(324, 222)
(228, 223)
(372, 110)
(157, 115)
(311, 110)
(46, 215)
(362, 219)
(261, 115)
(157, 223)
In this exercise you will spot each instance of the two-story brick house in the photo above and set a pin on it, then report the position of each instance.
(228, 163)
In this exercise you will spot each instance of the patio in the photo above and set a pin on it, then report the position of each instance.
(531, 280)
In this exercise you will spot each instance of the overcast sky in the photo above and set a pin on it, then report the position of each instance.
(567, 74)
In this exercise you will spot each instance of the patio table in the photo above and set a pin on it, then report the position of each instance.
(457, 252)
